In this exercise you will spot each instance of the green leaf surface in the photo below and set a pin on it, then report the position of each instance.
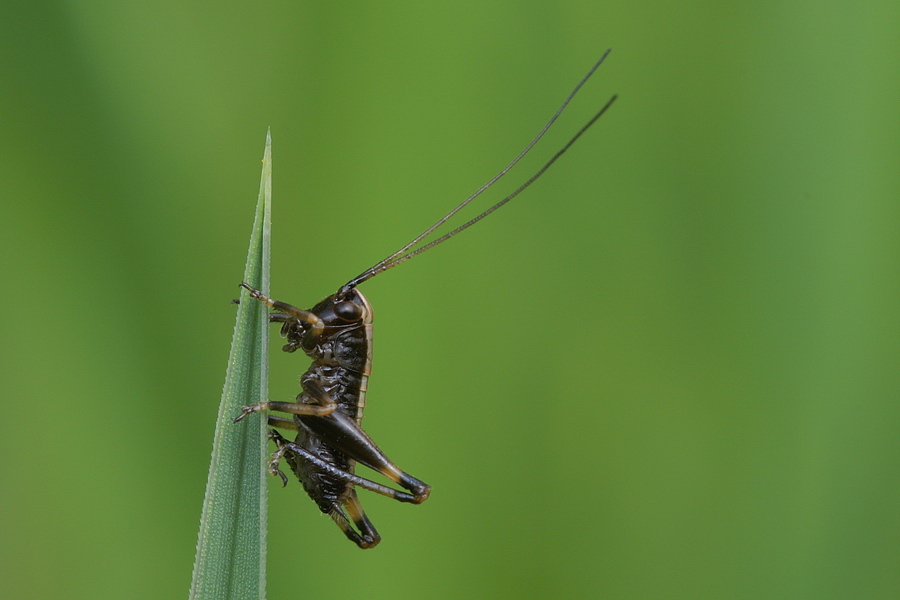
(230, 561)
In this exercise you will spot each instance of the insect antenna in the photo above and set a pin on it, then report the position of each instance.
(404, 253)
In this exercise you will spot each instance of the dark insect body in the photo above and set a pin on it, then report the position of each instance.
(327, 416)
(337, 334)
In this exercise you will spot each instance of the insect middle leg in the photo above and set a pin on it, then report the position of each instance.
(275, 459)
(325, 405)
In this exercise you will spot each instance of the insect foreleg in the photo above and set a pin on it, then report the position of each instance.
(316, 325)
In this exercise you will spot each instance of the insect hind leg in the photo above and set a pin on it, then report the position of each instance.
(345, 434)
(417, 497)
(367, 536)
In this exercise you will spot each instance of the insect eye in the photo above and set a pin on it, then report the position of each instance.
(348, 311)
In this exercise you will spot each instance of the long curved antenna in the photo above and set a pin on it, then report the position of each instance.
(398, 257)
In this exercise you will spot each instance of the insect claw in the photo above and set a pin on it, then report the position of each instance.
(274, 470)
(246, 410)
(254, 293)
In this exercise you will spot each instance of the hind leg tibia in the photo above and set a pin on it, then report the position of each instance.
(366, 536)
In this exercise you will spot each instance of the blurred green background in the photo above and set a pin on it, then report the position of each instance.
(669, 370)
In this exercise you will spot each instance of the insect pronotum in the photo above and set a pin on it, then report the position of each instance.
(327, 415)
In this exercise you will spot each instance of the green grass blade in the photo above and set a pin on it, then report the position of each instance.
(231, 546)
